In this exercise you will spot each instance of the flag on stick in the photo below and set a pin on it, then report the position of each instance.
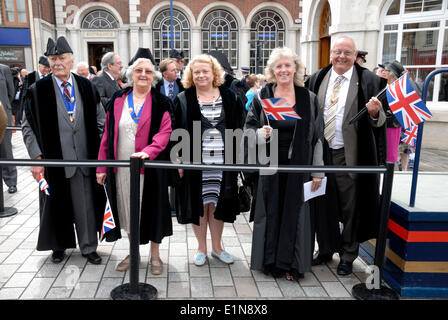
(405, 103)
(108, 219)
(43, 185)
(279, 109)
(410, 136)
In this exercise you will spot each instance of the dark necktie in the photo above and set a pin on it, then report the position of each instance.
(67, 98)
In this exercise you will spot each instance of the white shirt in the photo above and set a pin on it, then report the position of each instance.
(338, 140)
(110, 75)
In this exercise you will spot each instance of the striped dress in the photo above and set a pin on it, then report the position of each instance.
(212, 150)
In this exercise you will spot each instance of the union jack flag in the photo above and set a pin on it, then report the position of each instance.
(406, 104)
(279, 109)
(410, 136)
(43, 185)
(108, 220)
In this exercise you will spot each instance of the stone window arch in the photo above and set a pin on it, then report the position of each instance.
(99, 19)
(220, 32)
(161, 31)
(268, 27)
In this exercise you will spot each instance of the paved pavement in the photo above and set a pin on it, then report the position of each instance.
(26, 273)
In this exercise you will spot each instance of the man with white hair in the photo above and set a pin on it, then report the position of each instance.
(82, 69)
(107, 83)
(64, 119)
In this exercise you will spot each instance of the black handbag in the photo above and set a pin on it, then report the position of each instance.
(244, 195)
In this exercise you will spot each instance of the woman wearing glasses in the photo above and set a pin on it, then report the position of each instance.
(138, 124)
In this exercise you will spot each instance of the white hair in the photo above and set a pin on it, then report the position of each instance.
(130, 71)
(82, 64)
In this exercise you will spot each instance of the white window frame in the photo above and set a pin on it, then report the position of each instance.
(425, 16)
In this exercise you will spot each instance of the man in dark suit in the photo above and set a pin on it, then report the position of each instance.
(169, 85)
(343, 89)
(107, 82)
(43, 69)
(64, 119)
(7, 93)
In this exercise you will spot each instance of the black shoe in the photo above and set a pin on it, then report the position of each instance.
(12, 189)
(93, 257)
(322, 258)
(58, 256)
(344, 268)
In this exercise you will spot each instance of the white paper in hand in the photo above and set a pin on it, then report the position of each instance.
(308, 194)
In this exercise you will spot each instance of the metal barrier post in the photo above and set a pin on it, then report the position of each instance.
(134, 290)
(364, 291)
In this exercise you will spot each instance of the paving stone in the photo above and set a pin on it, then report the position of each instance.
(178, 277)
(68, 277)
(260, 276)
(178, 264)
(242, 228)
(195, 271)
(19, 280)
(246, 287)
(240, 269)
(160, 284)
(84, 290)
(178, 250)
(7, 271)
(230, 242)
(309, 280)
(59, 293)
(32, 264)
(111, 272)
(236, 252)
(221, 277)
(315, 292)
(224, 292)
(268, 289)
(201, 288)
(10, 293)
(50, 270)
(37, 289)
(106, 286)
(245, 237)
(178, 290)
(336, 290)
(290, 289)
(92, 273)
(323, 273)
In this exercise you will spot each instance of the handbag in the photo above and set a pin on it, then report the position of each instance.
(244, 195)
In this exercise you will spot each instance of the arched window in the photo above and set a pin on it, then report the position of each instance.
(99, 19)
(416, 34)
(162, 32)
(268, 30)
(220, 32)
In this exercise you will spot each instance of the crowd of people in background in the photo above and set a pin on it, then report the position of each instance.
(76, 112)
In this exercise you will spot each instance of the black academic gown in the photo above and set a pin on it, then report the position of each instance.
(189, 188)
(155, 218)
(56, 220)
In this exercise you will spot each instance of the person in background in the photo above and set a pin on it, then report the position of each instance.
(82, 69)
(7, 95)
(392, 71)
(138, 124)
(180, 61)
(281, 243)
(169, 85)
(361, 57)
(208, 198)
(254, 84)
(107, 82)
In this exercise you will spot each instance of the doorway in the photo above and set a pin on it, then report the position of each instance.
(97, 51)
(324, 36)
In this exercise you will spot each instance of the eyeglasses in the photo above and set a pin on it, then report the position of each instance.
(146, 71)
(340, 52)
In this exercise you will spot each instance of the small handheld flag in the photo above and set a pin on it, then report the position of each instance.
(405, 103)
(108, 219)
(279, 109)
(410, 136)
(43, 185)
